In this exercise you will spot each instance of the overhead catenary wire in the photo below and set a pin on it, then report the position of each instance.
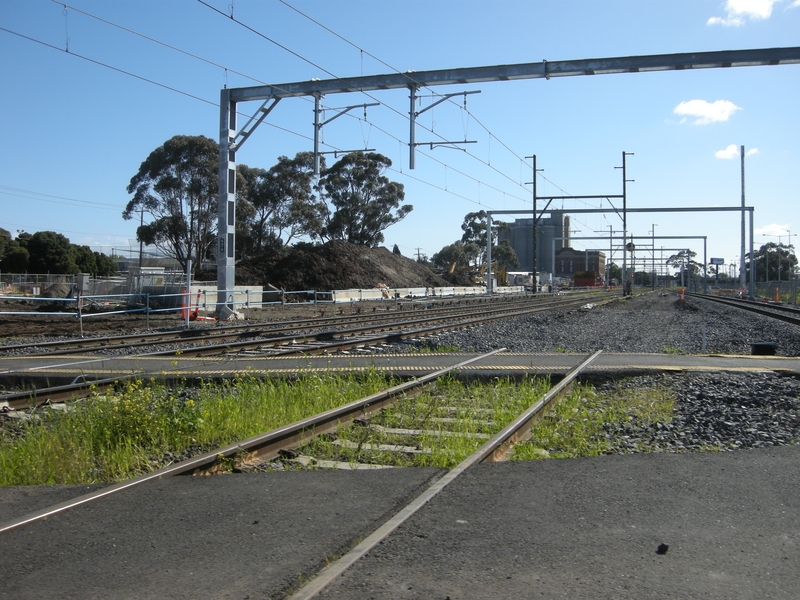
(361, 50)
(228, 69)
(159, 42)
(396, 70)
(333, 75)
(33, 195)
(450, 192)
(212, 103)
(411, 79)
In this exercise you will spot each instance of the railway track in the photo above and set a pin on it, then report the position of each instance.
(300, 341)
(291, 439)
(231, 337)
(369, 419)
(781, 312)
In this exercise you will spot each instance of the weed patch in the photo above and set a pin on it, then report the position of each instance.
(577, 425)
(145, 424)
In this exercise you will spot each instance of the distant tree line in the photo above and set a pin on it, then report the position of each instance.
(50, 252)
(470, 250)
(176, 187)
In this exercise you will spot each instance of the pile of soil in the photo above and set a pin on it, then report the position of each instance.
(57, 290)
(339, 265)
(336, 265)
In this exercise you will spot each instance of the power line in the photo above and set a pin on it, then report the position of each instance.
(228, 69)
(396, 70)
(464, 108)
(159, 42)
(31, 195)
(411, 80)
(324, 70)
(107, 66)
(139, 77)
(170, 88)
(222, 67)
(64, 231)
(191, 96)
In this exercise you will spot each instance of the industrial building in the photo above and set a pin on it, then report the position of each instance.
(520, 236)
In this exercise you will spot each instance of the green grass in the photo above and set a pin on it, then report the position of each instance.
(425, 347)
(672, 350)
(112, 437)
(574, 427)
(473, 408)
(144, 425)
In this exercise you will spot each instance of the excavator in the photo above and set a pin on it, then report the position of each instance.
(477, 275)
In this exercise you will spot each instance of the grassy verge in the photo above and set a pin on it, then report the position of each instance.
(145, 425)
(577, 425)
(449, 415)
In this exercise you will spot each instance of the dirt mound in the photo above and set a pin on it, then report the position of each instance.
(57, 290)
(337, 265)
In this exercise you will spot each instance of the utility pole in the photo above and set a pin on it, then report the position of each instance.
(610, 255)
(534, 278)
(418, 254)
(654, 255)
(141, 243)
(742, 281)
(626, 289)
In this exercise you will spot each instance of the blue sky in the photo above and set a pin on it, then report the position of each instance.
(74, 132)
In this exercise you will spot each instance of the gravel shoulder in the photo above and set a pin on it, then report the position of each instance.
(652, 322)
(579, 528)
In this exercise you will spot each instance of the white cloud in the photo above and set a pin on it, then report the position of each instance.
(738, 11)
(729, 153)
(775, 230)
(732, 151)
(706, 112)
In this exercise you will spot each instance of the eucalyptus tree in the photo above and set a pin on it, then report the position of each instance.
(774, 262)
(474, 238)
(453, 255)
(365, 202)
(284, 206)
(176, 186)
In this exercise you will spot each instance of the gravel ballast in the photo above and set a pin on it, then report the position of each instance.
(653, 323)
(713, 411)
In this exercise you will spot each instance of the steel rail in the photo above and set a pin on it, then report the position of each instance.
(494, 449)
(181, 336)
(61, 393)
(266, 445)
(788, 308)
(752, 306)
(392, 336)
(29, 398)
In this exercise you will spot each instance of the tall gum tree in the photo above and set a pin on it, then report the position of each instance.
(283, 204)
(365, 201)
(177, 186)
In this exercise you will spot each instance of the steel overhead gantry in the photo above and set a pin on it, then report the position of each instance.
(624, 249)
(681, 237)
(230, 141)
(742, 209)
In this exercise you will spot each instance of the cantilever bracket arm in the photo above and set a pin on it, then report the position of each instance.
(445, 144)
(615, 208)
(336, 153)
(345, 110)
(318, 124)
(445, 97)
(245, 133)
(412, 117)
